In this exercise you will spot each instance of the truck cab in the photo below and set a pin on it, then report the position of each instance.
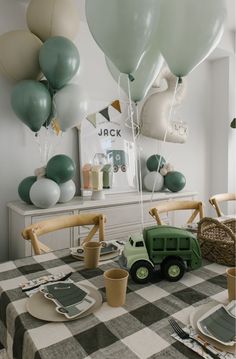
(172, 248)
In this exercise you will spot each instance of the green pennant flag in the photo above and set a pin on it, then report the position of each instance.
(233, 123)
(92, 119)
(105, 113)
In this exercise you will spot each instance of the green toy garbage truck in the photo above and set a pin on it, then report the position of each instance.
(172, 248)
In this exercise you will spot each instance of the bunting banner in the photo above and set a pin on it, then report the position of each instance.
(105, 113)
(92, 118)
(116, 105)
(233, 123)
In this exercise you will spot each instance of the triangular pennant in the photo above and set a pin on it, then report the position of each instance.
(105, 113)
(92, 119)
(116, 104)
(233, 123)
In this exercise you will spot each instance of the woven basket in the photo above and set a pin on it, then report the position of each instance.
(217, 240)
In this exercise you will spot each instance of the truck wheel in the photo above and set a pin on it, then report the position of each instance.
(123, 168)
(141, 272)
(173, 269)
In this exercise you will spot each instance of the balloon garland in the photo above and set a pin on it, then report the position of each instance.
(45, 50)
(162, 175)
(51, 184)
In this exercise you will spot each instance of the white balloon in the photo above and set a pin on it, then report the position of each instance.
(71, 105)
(44, 193)
(188, 31)
(151, 178)
(67, 191)
(156, 112)
(47, 18)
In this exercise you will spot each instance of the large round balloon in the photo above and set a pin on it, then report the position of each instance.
(19, 52)
(31, 102)
(48, 18)
(123, 29)
(44, 193)
(189, 31)
(24, 188)
(155, 162)
(147, 71)
(67, 191)
(59, 61)
(60, 168)
(153, 181)
(71, 106)
(174, 181)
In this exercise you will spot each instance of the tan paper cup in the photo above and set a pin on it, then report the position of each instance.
(231, 283)
(91, 254)
(116, 283)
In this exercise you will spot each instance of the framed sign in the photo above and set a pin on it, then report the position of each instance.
(105, 138)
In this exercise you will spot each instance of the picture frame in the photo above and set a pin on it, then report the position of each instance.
(105, 137)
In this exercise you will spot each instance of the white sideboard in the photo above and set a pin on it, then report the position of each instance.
(123, 213)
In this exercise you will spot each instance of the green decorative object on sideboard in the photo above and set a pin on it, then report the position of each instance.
(174, 181)
(24, 188)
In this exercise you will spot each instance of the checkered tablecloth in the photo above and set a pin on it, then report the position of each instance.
(140, 329)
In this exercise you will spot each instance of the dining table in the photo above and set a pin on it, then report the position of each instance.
(139, 329)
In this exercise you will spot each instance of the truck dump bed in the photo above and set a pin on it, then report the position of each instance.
(164, 241)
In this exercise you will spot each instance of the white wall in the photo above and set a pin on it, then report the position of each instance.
(19, 153)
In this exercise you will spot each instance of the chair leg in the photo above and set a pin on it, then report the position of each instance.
(101, 228)
(91, 234)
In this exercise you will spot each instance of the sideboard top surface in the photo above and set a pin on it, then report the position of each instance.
(84, 203)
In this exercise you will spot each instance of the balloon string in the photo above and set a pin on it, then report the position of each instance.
(165, 135)
(37, 139)
(140, 171)
(137, 171)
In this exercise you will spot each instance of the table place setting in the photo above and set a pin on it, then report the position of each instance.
(214, 338)
(77, 300)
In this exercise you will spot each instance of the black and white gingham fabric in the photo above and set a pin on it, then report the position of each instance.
(140, 329)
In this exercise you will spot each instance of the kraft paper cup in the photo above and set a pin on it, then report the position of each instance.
(116, 283)
(91, 254)
(231, 283)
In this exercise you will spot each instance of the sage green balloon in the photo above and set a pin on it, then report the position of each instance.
(123, 29)
(60, 169)
(24, 188)
(153, 162)
(189, 30)
(146, 73)
(31, 102)
(59, 60)
(174, 181)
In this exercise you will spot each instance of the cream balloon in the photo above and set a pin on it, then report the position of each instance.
(67, 191)
(188, 31)
(71, 106)
(156, 111)
(19, 55)
(47, 18)
(44, 193)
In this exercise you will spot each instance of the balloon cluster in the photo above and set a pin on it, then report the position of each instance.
(46, 50)
(51, 184)
(162, 175)
(134, 46)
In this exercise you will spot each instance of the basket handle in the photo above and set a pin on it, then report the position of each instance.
(208, 220)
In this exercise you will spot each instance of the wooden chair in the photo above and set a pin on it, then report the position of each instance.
(168, 206)
(35, 230)
(222, 197)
